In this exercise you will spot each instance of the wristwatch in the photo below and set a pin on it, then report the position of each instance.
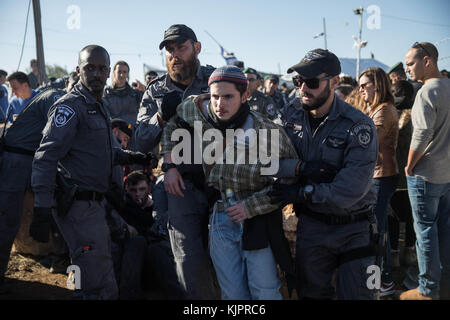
(166, 166)
(308, 191)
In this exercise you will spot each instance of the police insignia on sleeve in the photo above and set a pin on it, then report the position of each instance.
(63, 115)
(363, 134)
(270, 110)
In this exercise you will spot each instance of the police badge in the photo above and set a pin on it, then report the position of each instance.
(63, 114)
(363, 133)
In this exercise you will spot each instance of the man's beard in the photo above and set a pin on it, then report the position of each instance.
(186, 72)
(318, 101)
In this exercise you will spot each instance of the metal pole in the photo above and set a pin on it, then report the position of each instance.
(39, 42)
(325, 33)
(359, 40)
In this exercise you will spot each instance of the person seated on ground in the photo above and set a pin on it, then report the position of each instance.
(141, 242)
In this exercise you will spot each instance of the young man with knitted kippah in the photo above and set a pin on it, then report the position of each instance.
(246, 241)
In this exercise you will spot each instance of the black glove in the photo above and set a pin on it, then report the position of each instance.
(41, 224)
(286, 193)
(148, 159)
(169, 105)
(317, 171)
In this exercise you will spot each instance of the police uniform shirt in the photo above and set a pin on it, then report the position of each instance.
(78, 134)
(26, 131)
(346, 139)
(262, 103)
(148, 131)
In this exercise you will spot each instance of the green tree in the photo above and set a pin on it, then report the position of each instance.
(55, 71)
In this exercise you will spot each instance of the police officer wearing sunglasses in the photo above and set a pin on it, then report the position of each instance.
(337, 145)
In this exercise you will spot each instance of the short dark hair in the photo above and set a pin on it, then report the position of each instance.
(348, 80)
(134, 177)
(151, 73)
(3, 73)
(426, 49)
(74, 77)
(33, 61)
(90, 48)
(345, 89)
(19, 77)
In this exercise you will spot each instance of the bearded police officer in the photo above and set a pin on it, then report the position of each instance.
(78, 136)
(185, 76)
(187, 210)
(257, 100)
(337, 145)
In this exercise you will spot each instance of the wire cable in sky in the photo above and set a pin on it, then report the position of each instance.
(24, 35)
(416, 21)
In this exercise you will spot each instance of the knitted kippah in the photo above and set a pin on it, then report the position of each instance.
(227, 73)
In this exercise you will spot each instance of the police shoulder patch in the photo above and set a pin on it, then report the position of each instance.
(363, 134)
(63, 114)
(270, 110)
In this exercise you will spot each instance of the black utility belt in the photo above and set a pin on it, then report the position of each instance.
(89, 195)
(332, 219)
(18, 150)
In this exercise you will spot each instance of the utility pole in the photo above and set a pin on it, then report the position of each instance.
(39, 42)
(360, 13)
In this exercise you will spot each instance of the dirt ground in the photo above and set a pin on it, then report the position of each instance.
(30, 280)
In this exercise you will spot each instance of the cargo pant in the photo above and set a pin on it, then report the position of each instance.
(317, 250)
(15, 172)
(87, 235)
(188, 230)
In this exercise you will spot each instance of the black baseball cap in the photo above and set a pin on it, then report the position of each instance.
(238, 63)
(123, 126)
(178, 33)
(316, 62)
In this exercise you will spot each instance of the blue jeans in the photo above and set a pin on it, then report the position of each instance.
(242, 274)
(430, 205)
(385, 188)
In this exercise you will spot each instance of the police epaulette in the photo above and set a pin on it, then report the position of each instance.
(154, 80)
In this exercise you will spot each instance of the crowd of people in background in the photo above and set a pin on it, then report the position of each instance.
(359, 159)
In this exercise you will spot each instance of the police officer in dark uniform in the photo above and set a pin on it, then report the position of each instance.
(78, 135)
(188, 210)
(337, 145)
(271, 89)
(19, 143)
(185, 77)
(258, 101)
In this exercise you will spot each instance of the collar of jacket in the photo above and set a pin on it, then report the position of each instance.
(84, 92)
(121, 92)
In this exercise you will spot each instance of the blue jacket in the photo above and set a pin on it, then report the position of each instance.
(346, 139)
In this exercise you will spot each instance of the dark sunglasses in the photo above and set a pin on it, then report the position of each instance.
(312, 83)
(417, 44)
(251, 79)
(364, 85)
